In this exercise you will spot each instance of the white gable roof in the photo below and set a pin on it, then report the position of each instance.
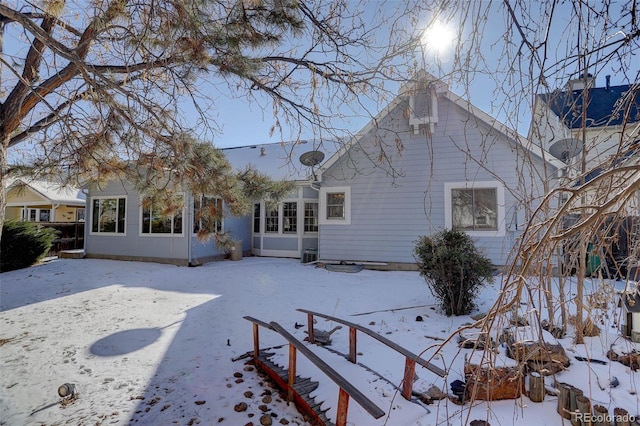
(280, 160)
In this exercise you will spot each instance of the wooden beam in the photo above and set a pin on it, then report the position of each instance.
(292, 370)
(352, 344)
(343, 408)
(256, 340)
(360, 398)
(312, 338)
(409, 374)
(407, 353)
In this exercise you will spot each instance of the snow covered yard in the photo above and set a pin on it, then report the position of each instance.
(153, 344)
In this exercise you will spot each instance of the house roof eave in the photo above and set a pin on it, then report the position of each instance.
(462, 103)
(494, 123)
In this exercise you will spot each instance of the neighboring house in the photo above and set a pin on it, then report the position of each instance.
(629, 302)
(41, 201)
(587, 121)
(594, 130)
(429, 161)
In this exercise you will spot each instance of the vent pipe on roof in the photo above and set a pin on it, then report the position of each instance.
(608, 80)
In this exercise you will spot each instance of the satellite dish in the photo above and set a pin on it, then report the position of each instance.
(312, 158)
(565, 149)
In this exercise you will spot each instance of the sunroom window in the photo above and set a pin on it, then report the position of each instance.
(108, 215)
(163, 219)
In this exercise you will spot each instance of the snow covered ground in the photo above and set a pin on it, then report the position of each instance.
(153, 344)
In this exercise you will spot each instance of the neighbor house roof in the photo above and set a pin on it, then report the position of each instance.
(54, 192)
(279, 160)
(605, 106)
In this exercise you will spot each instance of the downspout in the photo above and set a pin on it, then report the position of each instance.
(88, 217)
(188, 229)
(316, 180)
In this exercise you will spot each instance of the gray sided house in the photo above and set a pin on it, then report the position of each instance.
(429, 161)
(290, 227)
(120, 227)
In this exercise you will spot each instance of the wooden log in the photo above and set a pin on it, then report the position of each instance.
(621, 417)
(536, 387)
(584, 410)
(600, 416)
(574, 393)
(564, 400)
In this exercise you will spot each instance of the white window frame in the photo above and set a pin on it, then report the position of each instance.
(170, 234)
(220, 225)
(305, 217)
(259, 218)
(322, 206)
(278, 217)
(296, 220)
(107, 197)
(26, 214)
(448, 205)
(264, 210)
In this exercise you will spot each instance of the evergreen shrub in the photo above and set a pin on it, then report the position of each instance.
(23, 244)
(453, 268)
